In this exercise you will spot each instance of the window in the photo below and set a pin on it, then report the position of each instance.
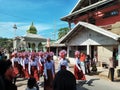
(111, 13)
(92, 20)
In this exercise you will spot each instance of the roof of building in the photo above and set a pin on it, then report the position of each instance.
(95, 28)
(77, 6)
(81, 10)
(30, 35)
(32, 29)
(57, 43)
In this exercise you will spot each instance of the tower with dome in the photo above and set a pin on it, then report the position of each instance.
(30, 41)
(32, 29)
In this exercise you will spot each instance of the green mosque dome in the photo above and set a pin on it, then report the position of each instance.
(32, 29)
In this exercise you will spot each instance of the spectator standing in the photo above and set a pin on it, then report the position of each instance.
(94, 64)
(64, 80)
(87, 64)
(111, 69)
(7, 74)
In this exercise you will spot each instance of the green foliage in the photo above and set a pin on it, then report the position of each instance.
(62, 32)
(6, 43)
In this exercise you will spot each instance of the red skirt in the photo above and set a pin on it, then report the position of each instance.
(26, 71)
(16, 68)
(41, 68)
(49, 81)
(34, 73)
(78, 74)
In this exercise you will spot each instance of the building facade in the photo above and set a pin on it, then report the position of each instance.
(31, 41)
(96, 30)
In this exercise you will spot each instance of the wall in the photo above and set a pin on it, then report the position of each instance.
(90, 37)
(100, 21)
(104, 53)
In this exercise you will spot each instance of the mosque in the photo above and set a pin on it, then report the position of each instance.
(31, 41)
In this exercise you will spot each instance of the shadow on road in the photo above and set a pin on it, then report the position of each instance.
(116, 80)
(91, 81)
(80, 84)
(42, 84)
(94, 73)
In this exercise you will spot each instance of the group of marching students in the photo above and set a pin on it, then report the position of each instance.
(32, 64)
(36, 64)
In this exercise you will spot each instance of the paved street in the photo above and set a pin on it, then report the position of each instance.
(98, 83)
(94, 82)
(22, 84)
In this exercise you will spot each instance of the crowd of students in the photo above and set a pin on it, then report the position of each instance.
(30, 65)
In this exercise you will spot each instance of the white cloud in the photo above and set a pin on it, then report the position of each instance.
(7, 30)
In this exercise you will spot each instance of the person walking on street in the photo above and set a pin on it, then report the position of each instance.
(111, 69)
(82, 60)
(15, 63)
(63, 63)
(41, 61)
(25, 65)
(33, 67)
(32, 84)
(49, 73)
(77, 67)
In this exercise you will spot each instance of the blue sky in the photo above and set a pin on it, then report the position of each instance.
(45, 14)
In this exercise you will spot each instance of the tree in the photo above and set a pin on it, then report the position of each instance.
(62, 32)
(6, 43)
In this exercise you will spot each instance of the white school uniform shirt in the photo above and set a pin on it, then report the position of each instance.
(77, 61)
(33, 63)
(63, 62)
(25, 61)
(41, 60)
(48, 65)
(15, 59)
(20, 60)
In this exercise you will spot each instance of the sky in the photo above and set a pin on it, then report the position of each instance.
(45, 15)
